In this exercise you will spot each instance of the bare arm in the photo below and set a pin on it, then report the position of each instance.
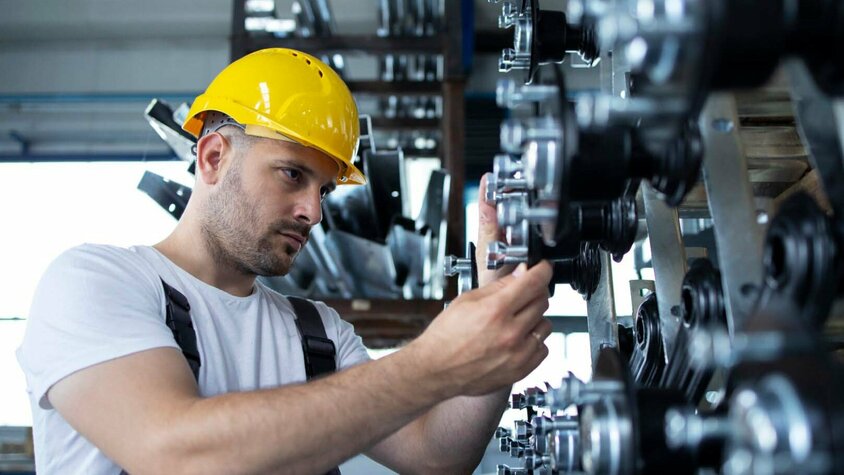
(143, 410)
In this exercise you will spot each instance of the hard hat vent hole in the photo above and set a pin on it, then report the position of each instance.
(294, 54)
(307, 60)
(320, 73)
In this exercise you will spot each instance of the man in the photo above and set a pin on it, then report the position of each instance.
(111, 390)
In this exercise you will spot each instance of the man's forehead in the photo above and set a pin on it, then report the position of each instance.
(294, 153)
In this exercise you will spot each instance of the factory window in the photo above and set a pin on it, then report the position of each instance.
(48, 208)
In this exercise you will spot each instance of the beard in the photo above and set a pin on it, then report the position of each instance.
(230, 232)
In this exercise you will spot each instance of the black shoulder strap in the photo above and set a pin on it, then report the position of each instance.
(318, 349)
(180, 323)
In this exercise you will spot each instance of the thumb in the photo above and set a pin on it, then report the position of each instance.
(488, 229)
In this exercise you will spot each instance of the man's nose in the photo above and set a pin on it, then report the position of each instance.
(309, 208)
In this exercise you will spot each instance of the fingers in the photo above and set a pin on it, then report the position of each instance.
(520, 289)
(529, 316)
(488, 232)
(541, 330)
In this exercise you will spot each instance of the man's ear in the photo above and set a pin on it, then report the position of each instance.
(210, 150)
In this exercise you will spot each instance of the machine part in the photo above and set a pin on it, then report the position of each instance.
(522, 431)
(465, 268)
(613, 225)
(821, 128)
(433, 216)
(388, 186)
(542, 37)
(599, 111)
(506, 470)
(671, 166)
(370, 264)
(411, 253)
(606, 435)
(600, 310)
(702, 296)
(161, 118)
(703, 307)
(564, 450)
(583, 272)
(701, 435)
(776, 430)
(647, 361)
(802, 262)
(544, 425)
(573, 391)
(733, 210)
(170, 195)
(499, 254)
(510, 95)
(712, 348)
(669, 263)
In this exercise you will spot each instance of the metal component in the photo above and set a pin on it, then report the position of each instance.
(669, 263)
(597, 111)
(510, 95)
(515, 133)
(575, 391)
(607, 437)
(506, 470)
(710, 348)
(454, 265)
(564, 450)
(773, 433)
(600, 310)
(684, 428)
(738, 237)
(522, 431)
(499, 254)
(544, 425)
(647, 360)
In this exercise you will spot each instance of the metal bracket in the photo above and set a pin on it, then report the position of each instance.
(669, 262)
(738, 237)
(636, 297)
(600, 311)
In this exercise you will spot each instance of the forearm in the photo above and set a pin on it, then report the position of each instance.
(458, 430)
(306, 428)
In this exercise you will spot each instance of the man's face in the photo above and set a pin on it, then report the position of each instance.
(258, 217)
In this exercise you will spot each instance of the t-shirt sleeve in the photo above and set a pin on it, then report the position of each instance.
(93, 304)
(350, 348)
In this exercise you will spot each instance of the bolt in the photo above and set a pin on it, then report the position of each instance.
(543, 425)
(502, 432)
(508, 94)
(505, 470)
(455, 265)
(508, 15)
(522, 430)
(710, 348)
(685, 429)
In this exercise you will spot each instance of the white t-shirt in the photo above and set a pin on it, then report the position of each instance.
(96, 303)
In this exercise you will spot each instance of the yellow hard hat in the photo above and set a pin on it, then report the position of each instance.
(290, 95)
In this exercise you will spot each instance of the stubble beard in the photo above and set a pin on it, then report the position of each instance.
(227, 230)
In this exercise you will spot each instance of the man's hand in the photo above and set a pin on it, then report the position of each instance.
(488, 231)
(490, 337)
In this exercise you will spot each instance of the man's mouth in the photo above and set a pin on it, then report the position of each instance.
(298, 238)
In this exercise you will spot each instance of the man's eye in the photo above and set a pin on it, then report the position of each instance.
(293, 173)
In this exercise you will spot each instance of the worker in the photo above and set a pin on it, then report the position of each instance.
(115, 388)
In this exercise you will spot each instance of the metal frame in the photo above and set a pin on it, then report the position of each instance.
(668, 257)
(739, 239)
(600, 311)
